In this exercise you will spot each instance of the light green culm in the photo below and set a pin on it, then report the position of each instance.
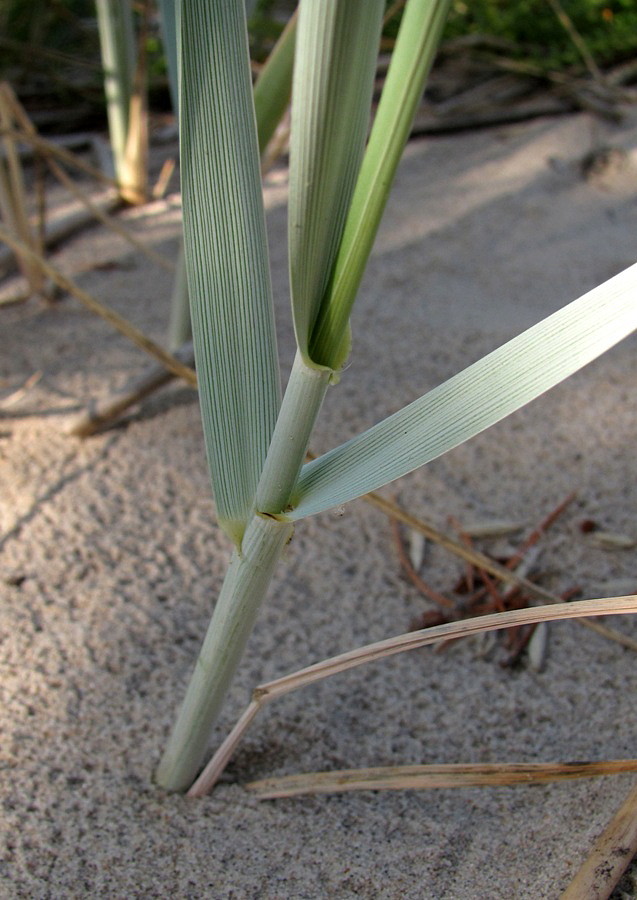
(246, 582)
(117, 43)
(231, 299)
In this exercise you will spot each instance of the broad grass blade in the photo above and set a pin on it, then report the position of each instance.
(335, 62)
(226, 254)
(473, 400)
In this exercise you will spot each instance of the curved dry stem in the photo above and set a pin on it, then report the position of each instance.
(48, 148)
(451, 775)
(381, 649)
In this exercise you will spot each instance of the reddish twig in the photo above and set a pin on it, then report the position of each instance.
(485, 595)
(469, 580)
(538, 531)
(426, 589)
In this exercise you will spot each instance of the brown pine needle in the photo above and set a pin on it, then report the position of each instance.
(467, 540)
(452, 775)
(481, 561)
(538, 531)
(469, 554)
(426, 589)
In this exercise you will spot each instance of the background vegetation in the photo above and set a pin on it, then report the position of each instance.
(49, 49)
(609, 28)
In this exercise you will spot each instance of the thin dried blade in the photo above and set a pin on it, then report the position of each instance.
(451, 775)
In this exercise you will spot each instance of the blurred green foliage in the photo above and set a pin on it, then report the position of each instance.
(49, 49)
(39, 35)
(530, 27)
(46, 22)
(50, 52)
(608, 27)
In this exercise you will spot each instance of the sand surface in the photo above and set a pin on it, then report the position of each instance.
(111, 561)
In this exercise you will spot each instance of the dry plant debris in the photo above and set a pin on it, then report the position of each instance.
(478, 593)
(477, 82)
(265, 693)
(449, 775)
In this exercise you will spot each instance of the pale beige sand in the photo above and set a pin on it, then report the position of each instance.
(111, 560)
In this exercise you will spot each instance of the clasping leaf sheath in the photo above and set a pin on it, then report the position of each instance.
(334, 69)
(336, 52)
(411, 62)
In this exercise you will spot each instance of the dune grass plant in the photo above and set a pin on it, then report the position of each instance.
(124, 63)
(256, 441)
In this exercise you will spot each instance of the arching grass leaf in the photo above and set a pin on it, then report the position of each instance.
(476, 398)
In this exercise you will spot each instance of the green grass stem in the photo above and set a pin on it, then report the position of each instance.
(299, 410)
(117, 42)
(246, 582)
